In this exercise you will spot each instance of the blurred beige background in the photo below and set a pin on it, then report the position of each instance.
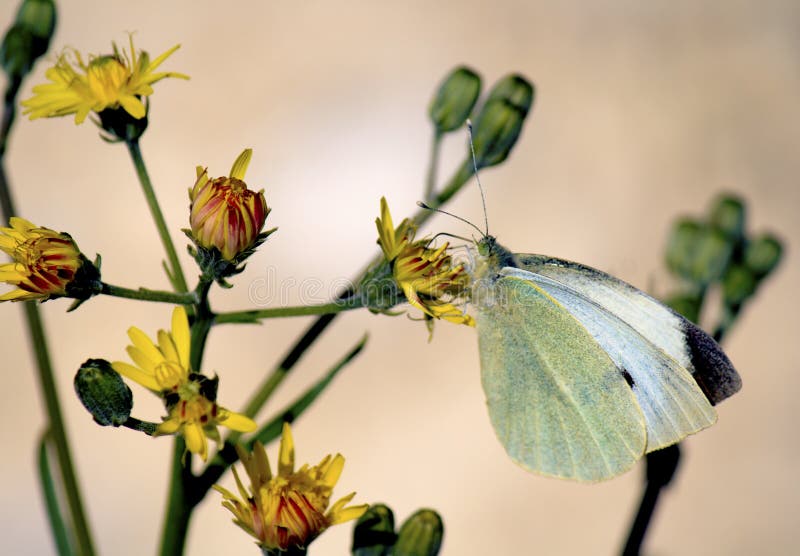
(644, 111)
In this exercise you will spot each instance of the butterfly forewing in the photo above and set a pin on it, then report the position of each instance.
(671, 401)
(558, 403)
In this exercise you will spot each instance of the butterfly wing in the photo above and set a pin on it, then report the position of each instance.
(659, 349)
(558, 403)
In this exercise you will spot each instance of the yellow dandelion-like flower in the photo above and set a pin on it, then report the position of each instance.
(190, 397)
(111, 81)
(224, 213)
(290, 509)
(427, 277)
(45, 262)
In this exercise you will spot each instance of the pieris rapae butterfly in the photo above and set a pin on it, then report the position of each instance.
(583, 373)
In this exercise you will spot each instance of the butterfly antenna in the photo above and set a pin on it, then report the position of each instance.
(478, 178)
(464, 220)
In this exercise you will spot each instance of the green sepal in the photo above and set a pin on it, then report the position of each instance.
(378, 290)
(420, 535)
(373, 533)
(121, 126)
(103, 393)
(454, 100)
(216, 267)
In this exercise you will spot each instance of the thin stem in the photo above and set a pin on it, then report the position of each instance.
(175, 272)
(433, 166)
(144, 294)
(183, 494)
(47, 384)
(279, 312)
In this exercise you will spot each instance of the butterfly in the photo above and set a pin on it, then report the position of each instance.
(583, 373)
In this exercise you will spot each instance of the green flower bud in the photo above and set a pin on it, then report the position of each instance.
(697, 252)
(373, 534)
(738, 284)
(454, 100)
(103, 393)
(762, 255)
(121, 125)
(28, 38)
(728, 215)
(420, 535)
(499, 123)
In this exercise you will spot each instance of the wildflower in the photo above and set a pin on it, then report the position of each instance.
(227, 216)
(189, 396)
(287, 511)
(119, 80)
(427, 277)
(46, 264)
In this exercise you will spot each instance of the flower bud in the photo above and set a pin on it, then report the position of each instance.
(697, 252)
(121, 125)
(454, 100)
(374, 533)
(226, 219)
(728, 215)
(28, 38)
(499, 123)
(738, 284)
(103, 393)
(762, 255)
(420, 535)
(47, 264)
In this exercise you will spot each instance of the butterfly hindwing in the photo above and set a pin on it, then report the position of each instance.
(558, 403)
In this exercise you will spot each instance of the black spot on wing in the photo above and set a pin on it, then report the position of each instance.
(713, 371)
(628, 378)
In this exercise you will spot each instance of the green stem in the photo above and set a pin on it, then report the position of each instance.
(183, 493)
(278, 312)
(433, 166)
(175, 272)
(144, 294)
(47, 384)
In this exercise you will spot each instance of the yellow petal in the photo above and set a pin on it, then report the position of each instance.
(286, 454)
(181, 335)
(145, 344)
(195, 440)
(236, 421)
(240, 164)
(333, 472)
(133, 106)
(136, 374)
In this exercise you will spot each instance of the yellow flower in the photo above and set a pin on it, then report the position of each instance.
(288, 510)
(225, 214)
(45, 262)
(189, 396)
(426, 276)
(111, 81)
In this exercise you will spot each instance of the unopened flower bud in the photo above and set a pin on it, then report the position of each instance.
(728, 215)
(738, 284)
(454, 100)
(28, 38)
(420, 535)
(762, 255)
(374, 533)
(499, 122)
(697, 252)
(103, 393)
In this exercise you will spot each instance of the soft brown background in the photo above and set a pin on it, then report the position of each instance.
(644, 111)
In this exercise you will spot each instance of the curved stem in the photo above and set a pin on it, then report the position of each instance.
(144, 294)
(433, 166)
(279, 312)
(175, 272)
(47, 384)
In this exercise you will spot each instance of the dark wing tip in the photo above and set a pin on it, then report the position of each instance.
(713, 371)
